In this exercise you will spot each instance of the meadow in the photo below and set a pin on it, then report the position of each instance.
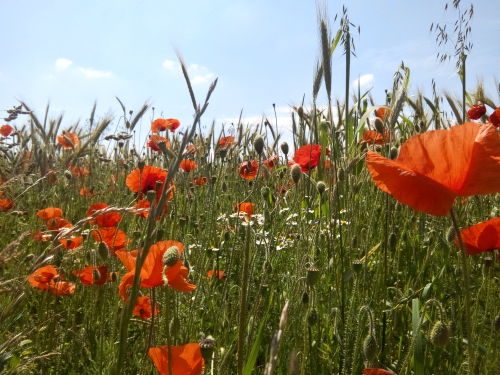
(366, 244)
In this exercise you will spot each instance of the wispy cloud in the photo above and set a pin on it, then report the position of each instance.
(199, 74)
(94, 73)
(62, 63)
(364, 81)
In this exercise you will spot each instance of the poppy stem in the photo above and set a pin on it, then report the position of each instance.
(466, 281)
(243, 299)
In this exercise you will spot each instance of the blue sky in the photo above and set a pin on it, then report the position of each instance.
(73, 53)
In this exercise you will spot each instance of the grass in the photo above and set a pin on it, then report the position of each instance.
(358, 279)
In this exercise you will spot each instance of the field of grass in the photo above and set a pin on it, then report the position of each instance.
(255, 256)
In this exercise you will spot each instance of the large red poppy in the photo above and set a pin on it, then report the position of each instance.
(110, 219)
(155, 139)
(6, 129)
(152, 272)
(162, 124)
(144, 309)
(248, 170)
(307, 157)
(482, 237)
(47, 278)
(435, 167)
(186, 359)
(225, 142)
(188, 165)
(373, 137)
(49, 213)
(92, 275)
(69, 141)
(6, 204)
(115, 239)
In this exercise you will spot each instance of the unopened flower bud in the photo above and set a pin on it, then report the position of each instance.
(370, 348)
(440, 334)
(451, 234)
(141, 164)
(284, 148)
(321, 187)
(296, 172)
(393, 153)
(312, 276)
(171, 256)
(258, 144)
(379, 125)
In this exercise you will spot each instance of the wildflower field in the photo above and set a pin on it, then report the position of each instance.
(367, 242)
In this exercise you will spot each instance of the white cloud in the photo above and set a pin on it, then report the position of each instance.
(170, 64)
(62, 63)
(198, 74)
(364, 81)
(93, 73)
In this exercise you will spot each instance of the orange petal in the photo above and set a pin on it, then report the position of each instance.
(408, 186)
(186, 359)
(482, 237)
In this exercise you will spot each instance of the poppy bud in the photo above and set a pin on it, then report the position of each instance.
(487, 263)
(222, 153)
(103, 250)
(451, 234)
(379, 125)
(393, 153)
(440, 334)
(321, 187)
(312, 276)
(171, 256)
(296, 172)
(227, 235)
(96, 275)
(392, 241)
(370, 348)
(300, 112)
(121, 144)
(357, 266)
(224, 187)
(496, 323)
(175, 326)
(68, 174)
(476, 111)
(305, 298)
(284, 148)
(264, 192)
(312, 318)
(258, 144)
(324, 126)
(151, 195)
(207, 346)
(141, 164)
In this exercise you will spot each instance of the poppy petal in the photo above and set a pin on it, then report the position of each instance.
(186, 359)
(408, 186)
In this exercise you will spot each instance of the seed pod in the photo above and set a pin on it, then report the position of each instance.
(284, 148)
(392, 241)
(321, 187)
(68, 174)
(305, 298)
(393, 153)
(379, 125)
(370, 348)
(312, 276)
(296, 172)
(357, 266)
(171, 256)
(312, 318)
(440, 334)
(207, 346)
(103, 250)
(451, 234)
(258, 144)
(141, 164)
(264, 192)
(151, 196)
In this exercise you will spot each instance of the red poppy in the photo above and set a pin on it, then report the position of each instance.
(246, 207)
(307, 157)
(383, 113)
(49, 213)
(430, 173)
(186, 359)
(153, 271)
(92, 275)
(482, 237)
(161, 124)
(87, 192)
(495, 117)
(46, 278)
(71, 243)
(57, 223)
(115, 239)
(110, 219)
(220, 274)
(271, 162)
(155, 139)
(6, 129)
(188, 165)
(376, 371)
(476, 111)
(143, 203)
(38, 235)
(248, 169)
(373, 137)
(199, 181)
(69, 141)
(144, 309)
(190, 149)
(77, 171)
(41, 278)
(226, 142)
(6, 204)
(62, 288)
(146, 180)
